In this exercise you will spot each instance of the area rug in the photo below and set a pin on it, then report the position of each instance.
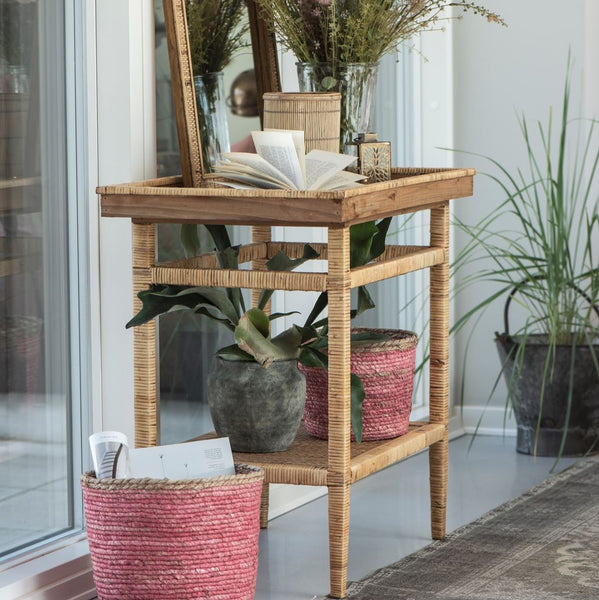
(542, 546)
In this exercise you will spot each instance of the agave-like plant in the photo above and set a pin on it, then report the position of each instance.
(251, 327)
(548, 255)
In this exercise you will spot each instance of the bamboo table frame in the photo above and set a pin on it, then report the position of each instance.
(338, 462)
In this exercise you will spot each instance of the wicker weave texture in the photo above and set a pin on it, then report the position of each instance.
(386, 369)
(156, 539)
(317, 115)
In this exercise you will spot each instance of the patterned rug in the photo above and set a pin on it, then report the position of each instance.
(543, 545)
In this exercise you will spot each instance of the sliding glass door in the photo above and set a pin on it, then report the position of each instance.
(37, 420)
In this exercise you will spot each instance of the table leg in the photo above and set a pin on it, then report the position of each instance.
(439, 370)
(339, 408)
(144, 341)
(261, 234)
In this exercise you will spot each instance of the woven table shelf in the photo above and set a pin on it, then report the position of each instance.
(305, 463)
(336, 462)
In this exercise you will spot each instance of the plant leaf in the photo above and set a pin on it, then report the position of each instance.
(357, 399)
(234, 352)
(360, 245)
(380, 239)
(263, 350)
(154, 304)
(259, 321)
(310, 357)
(281, 262)
(190, 239)
(365, 301)
(220, 237)
(319, 306)
(228, 258)
(162, 298)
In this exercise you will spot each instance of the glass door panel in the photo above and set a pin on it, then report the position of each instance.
(35, 452)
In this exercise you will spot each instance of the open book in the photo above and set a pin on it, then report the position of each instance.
(281, 163)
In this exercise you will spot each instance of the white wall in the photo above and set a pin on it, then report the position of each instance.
(126, 147)
(499, 70)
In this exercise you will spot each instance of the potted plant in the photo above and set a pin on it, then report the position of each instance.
(255, 391)
(546, 261)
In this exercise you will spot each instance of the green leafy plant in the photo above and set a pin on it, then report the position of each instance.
(352, 31)
(548, 251)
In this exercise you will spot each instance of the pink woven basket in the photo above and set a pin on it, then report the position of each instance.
(159, 539)
(386, 369)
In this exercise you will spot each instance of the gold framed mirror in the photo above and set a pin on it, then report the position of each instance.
(184, 96)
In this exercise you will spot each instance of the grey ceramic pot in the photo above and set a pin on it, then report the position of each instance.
(258, 409)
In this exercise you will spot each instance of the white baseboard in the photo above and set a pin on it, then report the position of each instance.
(285, 498)
(490, 420)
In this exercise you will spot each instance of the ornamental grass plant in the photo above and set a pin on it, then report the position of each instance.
(547, 258)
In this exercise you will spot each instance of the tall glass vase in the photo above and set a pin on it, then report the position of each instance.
(355, 82)
(212, 115)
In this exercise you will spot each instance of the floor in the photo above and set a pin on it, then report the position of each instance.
(389, 510)
(34, 475)
(390, 515)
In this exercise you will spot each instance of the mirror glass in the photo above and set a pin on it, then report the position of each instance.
(241, 100)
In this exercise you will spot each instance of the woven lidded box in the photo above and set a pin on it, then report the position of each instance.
(386, 368)
(153, 539)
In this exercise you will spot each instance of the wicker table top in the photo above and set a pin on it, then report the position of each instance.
(164, 200)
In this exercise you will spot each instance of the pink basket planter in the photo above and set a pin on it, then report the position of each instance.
(386, 369)
(159, 539)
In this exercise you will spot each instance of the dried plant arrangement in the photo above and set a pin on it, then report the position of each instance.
(357, 31)
(217, 31)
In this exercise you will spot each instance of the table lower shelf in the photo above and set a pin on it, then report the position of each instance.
(305, 463)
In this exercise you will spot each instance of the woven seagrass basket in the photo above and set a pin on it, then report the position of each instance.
(386, 369)
(160, 539)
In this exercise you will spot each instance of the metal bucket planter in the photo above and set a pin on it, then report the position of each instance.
(259, 410)
(525, 373)
(524, 376)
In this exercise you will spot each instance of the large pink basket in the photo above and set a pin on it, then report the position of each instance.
(386, 369)
(159, 539)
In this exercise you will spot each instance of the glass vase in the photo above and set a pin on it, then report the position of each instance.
(354, 81)
(212, 116)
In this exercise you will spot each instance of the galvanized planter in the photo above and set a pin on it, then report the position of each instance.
(260, 410)
(524, 377)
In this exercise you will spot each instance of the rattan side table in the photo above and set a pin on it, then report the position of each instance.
(335, 463)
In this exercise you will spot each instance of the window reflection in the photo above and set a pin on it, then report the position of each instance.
(35, 472)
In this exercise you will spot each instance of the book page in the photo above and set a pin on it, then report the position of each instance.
(322, 166)
(343, 181)
(278, 148)
(190, 460)
(300, 147)
(260, 172)
(254, 165)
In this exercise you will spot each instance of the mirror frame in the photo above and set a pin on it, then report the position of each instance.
(266, 69)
